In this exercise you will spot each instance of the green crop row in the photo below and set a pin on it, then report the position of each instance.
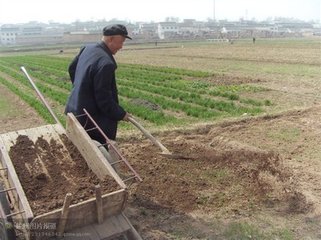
(60, 64)
(29, 99)
(191, 97)
(156, 117)
(177, 83)
(48, 72)
(167, 70)
(56, 95)
(165, 103)
(176, 98)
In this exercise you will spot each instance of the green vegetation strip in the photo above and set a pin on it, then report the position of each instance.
(32, 101)
(175, 92)
(55, 95)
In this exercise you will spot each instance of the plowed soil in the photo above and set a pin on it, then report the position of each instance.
(233, 174)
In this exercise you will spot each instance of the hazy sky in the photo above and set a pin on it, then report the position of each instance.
(66, 11)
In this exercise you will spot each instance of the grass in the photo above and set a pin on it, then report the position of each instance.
(216, 175)
(290, 134)
(246, 231)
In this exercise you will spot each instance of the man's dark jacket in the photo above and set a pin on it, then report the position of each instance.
(92, 73)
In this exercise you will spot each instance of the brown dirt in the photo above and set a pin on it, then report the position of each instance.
(16, 118)
(186, 185)
(224, 178)
(50, 170)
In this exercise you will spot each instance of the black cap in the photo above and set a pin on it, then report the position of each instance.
(116, 29)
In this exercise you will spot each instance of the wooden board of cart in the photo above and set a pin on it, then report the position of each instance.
(81, 214)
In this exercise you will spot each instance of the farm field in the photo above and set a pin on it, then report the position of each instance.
(247, 114)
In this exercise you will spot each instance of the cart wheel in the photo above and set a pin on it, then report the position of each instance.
(6, 224)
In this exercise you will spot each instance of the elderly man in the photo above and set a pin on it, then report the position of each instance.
(92, 73)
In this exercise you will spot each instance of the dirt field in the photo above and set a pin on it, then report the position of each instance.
(247, 178)
(238, 173)
(254, 178)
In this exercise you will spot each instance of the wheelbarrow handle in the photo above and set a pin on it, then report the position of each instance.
(40, 95)
(149, 136)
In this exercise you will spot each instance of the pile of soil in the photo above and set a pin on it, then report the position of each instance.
(49, 170)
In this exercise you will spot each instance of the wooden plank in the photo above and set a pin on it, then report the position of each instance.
(64, 215)
(85, 233)
(99, 204)
(85, 213)
(90, 152)
(50, 132)
(132, 233)
(14, 182)
(39, 132)
(112, 227)
(7, 142)
(32, 134)
(13, 138)
(11, 194)
(59, 129)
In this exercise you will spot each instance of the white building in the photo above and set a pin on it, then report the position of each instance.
(8, 35)
(166, 29)
(29, 34)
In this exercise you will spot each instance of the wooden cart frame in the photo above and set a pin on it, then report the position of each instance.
(101, 217)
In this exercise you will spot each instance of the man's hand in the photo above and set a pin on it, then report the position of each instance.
(126, 117)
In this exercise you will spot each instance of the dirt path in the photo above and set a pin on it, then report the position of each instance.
(19, 115)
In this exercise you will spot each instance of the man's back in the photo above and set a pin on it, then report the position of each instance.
(94, 88)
